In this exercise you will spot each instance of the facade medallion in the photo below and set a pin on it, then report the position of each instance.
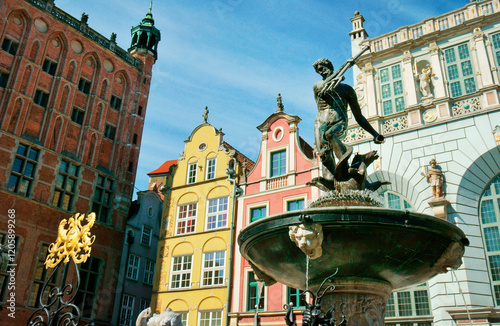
(40, 25)
(76, 46)
(430, 115)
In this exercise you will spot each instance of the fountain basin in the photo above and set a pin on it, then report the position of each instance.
(396, 248)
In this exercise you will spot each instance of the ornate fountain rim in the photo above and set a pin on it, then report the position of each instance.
(349, 216)
(263, 243)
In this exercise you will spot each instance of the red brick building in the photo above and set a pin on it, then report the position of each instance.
(72, 107)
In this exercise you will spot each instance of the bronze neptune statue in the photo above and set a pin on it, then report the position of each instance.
(333, 98)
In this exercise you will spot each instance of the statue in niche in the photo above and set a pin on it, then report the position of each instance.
(496, 133)
(332, 99)
(308, 237)
(424, 78)
(435, 177)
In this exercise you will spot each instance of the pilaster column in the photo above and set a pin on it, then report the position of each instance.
(438, 81)
(409, 81)
(482, 64)
(371, 99)
(264, 158)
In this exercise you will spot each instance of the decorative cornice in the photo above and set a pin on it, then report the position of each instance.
(407, 57)
(433, 48)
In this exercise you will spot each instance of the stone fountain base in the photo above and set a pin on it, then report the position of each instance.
(361, 301)
(376, 251)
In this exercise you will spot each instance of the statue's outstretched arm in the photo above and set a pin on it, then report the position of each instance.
(360, 119)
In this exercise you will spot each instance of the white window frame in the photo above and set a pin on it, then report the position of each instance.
(495, 42)
(270, 167)
(187, 218)
(404, 203)
(127, 310)
(461, 78)
(218, 214)
(491, 194)
(191, 172)
(211, 168)
(210, 317)
(213, 269)
(391, 82)
(181, 272)
(256, 205)
(184, 317)
(412, 304)
(149, 236)
(149, 272)
(134, 261)
(246, 281)
(286, 200)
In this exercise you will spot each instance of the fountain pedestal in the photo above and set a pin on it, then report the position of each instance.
(363, 301)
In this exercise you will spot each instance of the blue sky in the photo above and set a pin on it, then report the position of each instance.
(235, 56)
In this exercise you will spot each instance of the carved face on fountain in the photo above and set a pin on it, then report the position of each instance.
(308, 238)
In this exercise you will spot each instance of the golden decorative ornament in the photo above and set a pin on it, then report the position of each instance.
(73, 240)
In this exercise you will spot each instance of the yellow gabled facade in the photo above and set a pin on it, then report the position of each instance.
(194, 256)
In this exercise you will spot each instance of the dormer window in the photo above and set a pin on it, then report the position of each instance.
(191, 177)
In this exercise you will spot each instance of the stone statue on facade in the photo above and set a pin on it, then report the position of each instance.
(496, 133)
(85, 18)
(332, 99)
(205, 115)
(435, 177)
(279, 101)
(424, 78)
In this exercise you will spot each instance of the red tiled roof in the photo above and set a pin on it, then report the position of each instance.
(164, 168)
(240, 157)
(306, 148)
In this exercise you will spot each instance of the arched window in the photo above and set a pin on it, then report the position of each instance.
(489, 213)
(396, 201)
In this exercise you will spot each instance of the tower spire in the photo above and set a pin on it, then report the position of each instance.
(145, 36)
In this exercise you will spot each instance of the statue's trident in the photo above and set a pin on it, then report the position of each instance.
(334, 79)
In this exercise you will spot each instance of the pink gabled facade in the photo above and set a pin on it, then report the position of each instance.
(276, 184)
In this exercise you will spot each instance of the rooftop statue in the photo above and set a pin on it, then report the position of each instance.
(333, 98)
